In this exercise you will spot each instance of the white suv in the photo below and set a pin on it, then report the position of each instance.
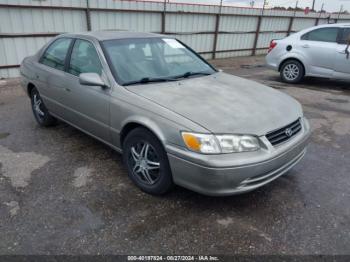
(320, 51)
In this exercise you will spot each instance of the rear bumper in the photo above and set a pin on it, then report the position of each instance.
(272, 62)
(236, 179)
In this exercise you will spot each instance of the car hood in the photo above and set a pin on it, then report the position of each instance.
(223, 103)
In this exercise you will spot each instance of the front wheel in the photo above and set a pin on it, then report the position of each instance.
(292, 72)
(147, 162)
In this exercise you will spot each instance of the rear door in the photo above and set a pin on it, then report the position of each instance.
(342, 64)
(319, 49)
(50, 73)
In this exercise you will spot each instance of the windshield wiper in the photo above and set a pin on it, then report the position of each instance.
(188, 74)
(146, 80)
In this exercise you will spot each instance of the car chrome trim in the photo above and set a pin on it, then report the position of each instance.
(285, 133)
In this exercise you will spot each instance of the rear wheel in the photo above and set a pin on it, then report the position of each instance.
(147, 162)
(41, 114)
(292, 71)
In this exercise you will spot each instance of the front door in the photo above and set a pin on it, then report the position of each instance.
(342, 64)
(86, 107)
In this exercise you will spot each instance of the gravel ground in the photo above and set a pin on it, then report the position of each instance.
(62, 192)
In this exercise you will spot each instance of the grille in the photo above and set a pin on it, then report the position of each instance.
(285, 133)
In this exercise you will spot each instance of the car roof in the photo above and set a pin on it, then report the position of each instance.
(335, 25)
(306, 30)
(111, 35)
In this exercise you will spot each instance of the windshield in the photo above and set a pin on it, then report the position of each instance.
(144, 60)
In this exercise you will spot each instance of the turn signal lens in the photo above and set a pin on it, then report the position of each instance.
(203, 143)
(191, 141)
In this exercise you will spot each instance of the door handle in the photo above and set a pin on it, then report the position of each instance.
(305, 46)
(67, 89)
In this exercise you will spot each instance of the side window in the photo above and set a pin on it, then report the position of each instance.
(56, 53)
(84, 59)
(327, 34)
(345, 36)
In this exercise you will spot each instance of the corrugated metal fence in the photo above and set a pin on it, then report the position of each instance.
(25, 25)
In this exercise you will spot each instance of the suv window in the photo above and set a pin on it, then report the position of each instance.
(84, 59)
(55, 54)
(328, 34)
(344, 36)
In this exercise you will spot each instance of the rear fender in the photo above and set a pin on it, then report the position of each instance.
(296, 56)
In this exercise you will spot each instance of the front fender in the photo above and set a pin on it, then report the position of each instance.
(147, 123)
(127, 107)
(168, 132)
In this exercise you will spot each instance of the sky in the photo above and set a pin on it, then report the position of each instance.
(329, 5)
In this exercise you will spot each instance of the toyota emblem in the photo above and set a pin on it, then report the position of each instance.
(288, 132)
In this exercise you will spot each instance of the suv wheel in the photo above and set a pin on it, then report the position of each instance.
(147, 162)
(292, 71)
(40, 111)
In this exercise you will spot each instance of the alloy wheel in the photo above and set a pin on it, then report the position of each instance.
(291, 72)
(145, 163)
(37, 106)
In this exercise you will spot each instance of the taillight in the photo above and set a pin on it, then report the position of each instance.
(272, 45)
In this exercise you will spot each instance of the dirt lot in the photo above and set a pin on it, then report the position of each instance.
(62, 192)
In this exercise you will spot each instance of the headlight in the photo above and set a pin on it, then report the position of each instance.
(216, 144)
(238, 143)
(202, 143)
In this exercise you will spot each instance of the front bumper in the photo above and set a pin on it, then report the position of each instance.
(230, 174)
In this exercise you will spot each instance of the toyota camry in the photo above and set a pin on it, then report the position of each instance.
(174, 117)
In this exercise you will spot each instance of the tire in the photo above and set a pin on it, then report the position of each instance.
(147, 162)
(41, 114)
(292, 71)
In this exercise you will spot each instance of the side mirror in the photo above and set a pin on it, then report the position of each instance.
(91, 79)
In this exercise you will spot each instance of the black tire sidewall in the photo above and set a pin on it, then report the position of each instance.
(301, 72)
(165, 182)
